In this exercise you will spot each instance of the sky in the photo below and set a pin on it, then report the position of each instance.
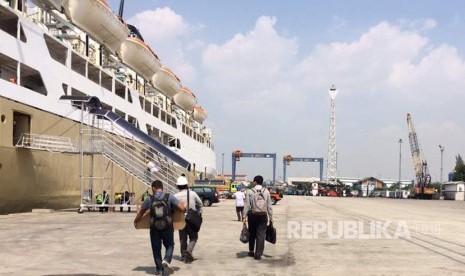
(262, 70)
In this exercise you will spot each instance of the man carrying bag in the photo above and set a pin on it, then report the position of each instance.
(257, 210)
(193, 219)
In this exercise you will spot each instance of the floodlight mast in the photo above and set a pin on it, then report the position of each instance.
(331, 171)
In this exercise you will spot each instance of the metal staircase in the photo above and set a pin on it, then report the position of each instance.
(129, 153)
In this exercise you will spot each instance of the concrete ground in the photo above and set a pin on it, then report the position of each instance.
(316, 236)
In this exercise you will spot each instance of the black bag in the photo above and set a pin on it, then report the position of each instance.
(270, 234)
(193, 218)
(244, 238)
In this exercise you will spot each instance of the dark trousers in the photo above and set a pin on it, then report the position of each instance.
(185, 233)
(156, 238)
(257, 231)
(240, 212)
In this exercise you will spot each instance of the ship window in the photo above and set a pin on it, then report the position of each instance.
(147, 106)
(21, 126)
(156, 110)
(119, 91)
(173, 122)
(78, 64)
(32, 79)
(93, 73)
(65, 88)
(8, 68)
(120, 113)
(9, 24)
(163, 116)
(175, 143)
(75, 92)
(129, 96)
(107, 81)
(56, 50)
(106, 106)
(133, 121)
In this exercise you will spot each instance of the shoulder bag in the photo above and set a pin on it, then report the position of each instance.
(193, 217)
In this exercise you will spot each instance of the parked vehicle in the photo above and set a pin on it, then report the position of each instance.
(207, 194)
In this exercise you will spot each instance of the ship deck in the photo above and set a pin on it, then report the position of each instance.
(378, 237)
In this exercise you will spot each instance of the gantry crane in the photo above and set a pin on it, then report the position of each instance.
(237, 154)
(423, 189)
(287, 159)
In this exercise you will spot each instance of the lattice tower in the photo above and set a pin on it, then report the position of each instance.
(331, 171)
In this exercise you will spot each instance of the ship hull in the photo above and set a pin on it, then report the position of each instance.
(32, 179)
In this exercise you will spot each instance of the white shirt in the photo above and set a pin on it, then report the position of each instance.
(152, 167)
(239, 196)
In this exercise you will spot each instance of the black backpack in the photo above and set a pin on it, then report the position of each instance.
(160, 213)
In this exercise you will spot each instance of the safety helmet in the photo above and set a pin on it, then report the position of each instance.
(182, 181)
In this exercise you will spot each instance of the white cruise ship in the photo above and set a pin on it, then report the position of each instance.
(85, 103)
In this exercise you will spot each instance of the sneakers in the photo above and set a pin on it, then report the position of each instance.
(167, 267)
(250, 254)
(189, 257)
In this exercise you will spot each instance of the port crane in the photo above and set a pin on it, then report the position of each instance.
(289, 158)
(237, 154)
(422, 189)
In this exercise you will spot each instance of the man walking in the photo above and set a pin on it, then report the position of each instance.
(239, 196)
(196, 204)
(257, 210)
(161, 206)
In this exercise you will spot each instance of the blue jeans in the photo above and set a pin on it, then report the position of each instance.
(156, 238)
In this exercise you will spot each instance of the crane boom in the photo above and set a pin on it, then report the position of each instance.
(423, 187)
(414, 148)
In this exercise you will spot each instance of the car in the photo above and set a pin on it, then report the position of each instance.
(207, 194)
(225, 194)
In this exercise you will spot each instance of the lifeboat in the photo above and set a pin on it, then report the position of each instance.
(96, 18)
(167, 82)
(185, 99)
(140, 57)
(200, 114)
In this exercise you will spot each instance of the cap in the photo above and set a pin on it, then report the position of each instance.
(182, 181)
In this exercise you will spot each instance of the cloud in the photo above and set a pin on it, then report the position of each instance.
(263, 90)
(255, 61)
(264, 93)
(166, 31)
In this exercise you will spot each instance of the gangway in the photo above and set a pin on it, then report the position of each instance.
(237, 154)
(103, 133)
(289, 158)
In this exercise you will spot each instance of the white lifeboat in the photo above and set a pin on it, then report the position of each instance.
(199, 114)
(167, 82)
(96, 18)
(140, 57)
(185, 99)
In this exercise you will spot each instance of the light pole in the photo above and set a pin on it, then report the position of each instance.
(222, 165)
(400, 167)
(441, 148)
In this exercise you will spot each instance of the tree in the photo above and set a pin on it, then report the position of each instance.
(459, 171)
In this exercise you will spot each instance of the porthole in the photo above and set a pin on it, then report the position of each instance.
(3, 118)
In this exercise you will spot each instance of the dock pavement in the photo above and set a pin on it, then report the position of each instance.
(315, 236)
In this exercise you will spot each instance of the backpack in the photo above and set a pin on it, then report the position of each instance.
(160, 213)
(259, 206)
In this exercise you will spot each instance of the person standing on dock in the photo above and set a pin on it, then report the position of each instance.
(257, 210)
(161, 207)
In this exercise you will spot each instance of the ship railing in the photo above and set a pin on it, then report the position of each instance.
(130, 154)
(46, 142)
